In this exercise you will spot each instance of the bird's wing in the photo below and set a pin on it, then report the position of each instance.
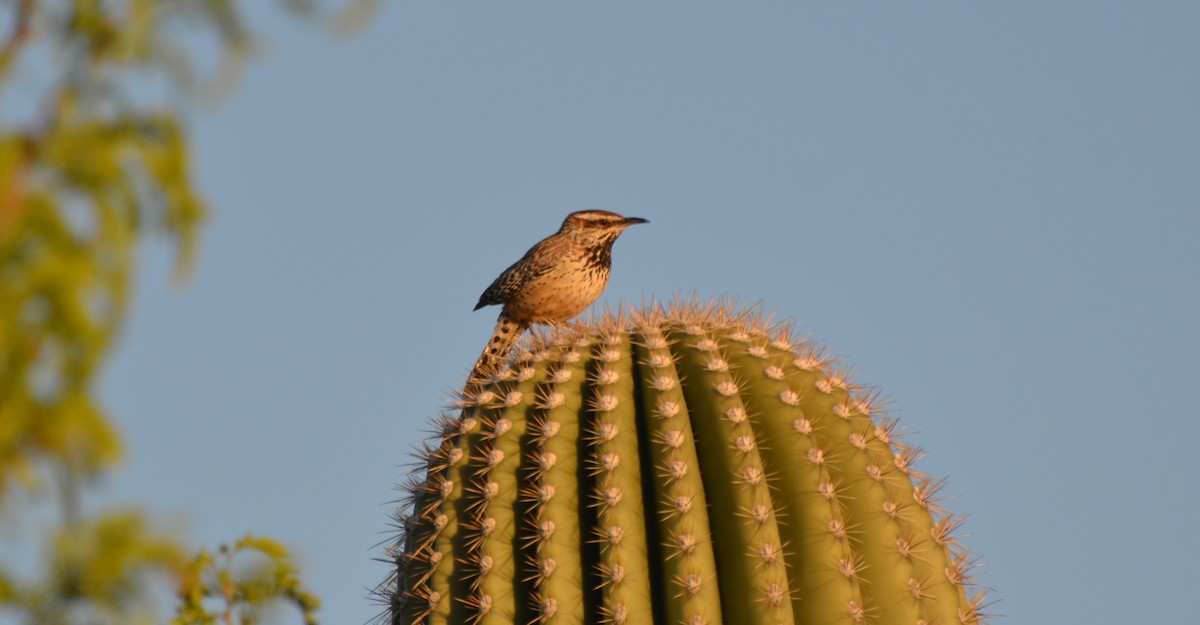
(513, 279)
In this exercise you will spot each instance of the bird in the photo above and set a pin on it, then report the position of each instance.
(557, 279)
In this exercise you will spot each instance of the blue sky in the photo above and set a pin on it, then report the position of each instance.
(990, 210)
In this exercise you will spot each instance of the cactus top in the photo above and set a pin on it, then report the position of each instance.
(680, 465)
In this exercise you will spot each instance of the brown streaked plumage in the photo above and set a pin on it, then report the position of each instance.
(554, 281)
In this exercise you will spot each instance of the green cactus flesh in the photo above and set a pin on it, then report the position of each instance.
(686, 467)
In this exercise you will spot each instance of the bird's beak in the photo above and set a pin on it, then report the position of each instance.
(629, 221)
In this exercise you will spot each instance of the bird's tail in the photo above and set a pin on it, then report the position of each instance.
(497, 349)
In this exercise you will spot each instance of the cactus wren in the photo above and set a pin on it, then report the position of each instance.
(555, 280)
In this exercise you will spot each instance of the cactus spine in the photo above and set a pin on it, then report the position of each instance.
(689, 466)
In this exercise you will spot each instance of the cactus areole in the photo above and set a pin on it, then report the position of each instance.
(690, 465)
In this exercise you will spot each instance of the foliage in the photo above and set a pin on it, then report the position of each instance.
(94, 160)
(101, 562)
(247, 577)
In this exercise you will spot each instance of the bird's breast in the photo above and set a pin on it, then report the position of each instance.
(560, 294)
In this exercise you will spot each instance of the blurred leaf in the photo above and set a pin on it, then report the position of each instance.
(99, 568)
(240, 583)
(102, 560)
(354, 17)
(7, 591)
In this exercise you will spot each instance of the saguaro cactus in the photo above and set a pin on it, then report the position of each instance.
(686, 466)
